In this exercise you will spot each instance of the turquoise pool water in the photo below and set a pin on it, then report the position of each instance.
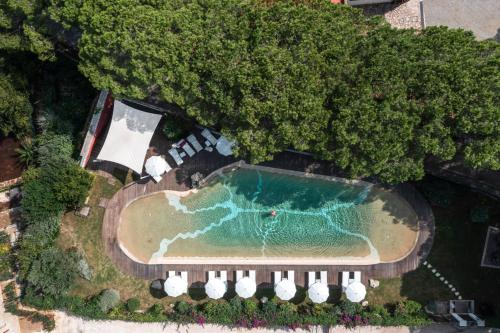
(231, 217)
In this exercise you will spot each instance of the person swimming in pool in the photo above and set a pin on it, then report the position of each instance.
(273, 213)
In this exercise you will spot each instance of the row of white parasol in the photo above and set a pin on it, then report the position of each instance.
(285, 289)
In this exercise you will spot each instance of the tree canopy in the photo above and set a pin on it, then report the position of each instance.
(24, 26)
(307, 75)
(15, 107)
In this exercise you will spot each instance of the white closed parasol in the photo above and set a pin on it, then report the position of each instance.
(318, 292)
(246, 287)
(175, 286)
(285, 289)
(215, 288)
(355, 292)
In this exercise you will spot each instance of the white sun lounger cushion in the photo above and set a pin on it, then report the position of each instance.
(194, 142)
(291, 276)
(239, 275)
(186, 147)
(175, 155)
(277, 277)
(357, 276)
(345, 280)
(171, 273)
(311, 277)
(323, 277)
(223, 276)
(211, 275)
(251, 275)
(209, 136)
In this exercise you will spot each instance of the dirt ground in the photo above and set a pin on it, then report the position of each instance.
(9, 166)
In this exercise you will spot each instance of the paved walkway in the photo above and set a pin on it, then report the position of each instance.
(7, 320)
(480, 16)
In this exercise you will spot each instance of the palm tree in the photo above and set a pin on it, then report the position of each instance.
(26, 153)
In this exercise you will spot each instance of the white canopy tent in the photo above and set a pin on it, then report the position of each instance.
(285, 289)
(156, 166)
(355, 292)
(175, 286)
(129, 136)
(215, 288)
(245, 287)
(318, 292)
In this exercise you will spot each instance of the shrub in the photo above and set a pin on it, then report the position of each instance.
(408, 308)
(183, 308)
(133, 304)
(219, 312)
(53, 271)
(249, 307)
(156, 310)
(54, 150)
(108, 299)
(349, 308)
(174, 128)
(39, 202)
(480, 214)
(84, 269)
(26, 153)
(72, 185)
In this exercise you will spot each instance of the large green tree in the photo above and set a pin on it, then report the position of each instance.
(25, 26)
(15, 107)
(307, 75)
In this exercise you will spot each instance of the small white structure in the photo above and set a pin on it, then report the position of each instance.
(318, 292)
(176, 285)
(128, 137)
(246, 287)
(355, 292)
(224, 146)
(156, 166)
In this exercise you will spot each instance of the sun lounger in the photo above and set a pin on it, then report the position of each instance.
(291, 276)
(186, 147)
(311, 278)
(209, 136)
(239, 275)
(345, 280)
(211, 275)
(323, 277)
(194, 142)
(251, 275)
(357, 276)
(175, 155)
(277, 277)
(223, 276)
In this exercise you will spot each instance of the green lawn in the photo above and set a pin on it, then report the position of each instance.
(456, 253)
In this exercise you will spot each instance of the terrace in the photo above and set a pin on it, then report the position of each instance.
(205, 162)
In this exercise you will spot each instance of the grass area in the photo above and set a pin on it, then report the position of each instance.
(85, 234)
(456, 253)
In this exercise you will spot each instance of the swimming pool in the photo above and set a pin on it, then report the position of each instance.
(321, 219)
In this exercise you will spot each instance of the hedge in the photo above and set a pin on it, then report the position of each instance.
(244, 313)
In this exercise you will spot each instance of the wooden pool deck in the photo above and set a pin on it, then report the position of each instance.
(206, 162)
